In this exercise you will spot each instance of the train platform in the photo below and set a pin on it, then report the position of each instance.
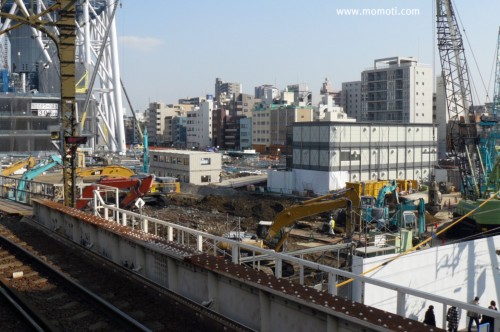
(10, 207)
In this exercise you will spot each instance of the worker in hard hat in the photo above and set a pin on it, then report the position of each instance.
(332, 226)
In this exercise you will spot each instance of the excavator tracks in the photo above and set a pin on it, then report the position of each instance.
(56, 276)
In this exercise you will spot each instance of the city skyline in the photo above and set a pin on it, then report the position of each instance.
(184, 46)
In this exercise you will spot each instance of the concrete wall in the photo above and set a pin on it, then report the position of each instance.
(246, 301)
(457, 271)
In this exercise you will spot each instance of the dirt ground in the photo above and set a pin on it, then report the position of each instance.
(216, 210)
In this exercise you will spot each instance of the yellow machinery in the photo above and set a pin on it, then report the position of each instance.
(355, 192)
(164, 185)
(308, 208)
(109, 171)
(28, 163)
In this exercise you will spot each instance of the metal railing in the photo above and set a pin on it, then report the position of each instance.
(242, 253)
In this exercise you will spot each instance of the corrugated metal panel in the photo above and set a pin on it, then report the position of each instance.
(314, 157)
(324, 158)
(314, 134)
(306, 134)
(305, 157)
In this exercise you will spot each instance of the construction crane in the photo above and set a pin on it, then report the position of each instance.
(490, 125)
(462, 127)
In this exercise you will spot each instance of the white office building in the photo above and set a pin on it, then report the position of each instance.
(195, 167)
(199, 125)
(326, 155)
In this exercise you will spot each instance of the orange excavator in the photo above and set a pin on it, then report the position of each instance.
(135, 187)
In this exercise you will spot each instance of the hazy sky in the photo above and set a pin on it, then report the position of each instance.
(171, 49)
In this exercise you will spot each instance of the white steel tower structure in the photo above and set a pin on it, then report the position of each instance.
(34, 68)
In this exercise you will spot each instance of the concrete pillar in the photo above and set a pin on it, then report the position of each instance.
(235, 252)
(301, 272)
(213, 291)
(400, 303)
(332, 283)
(170, 233)
(278, 268)
(199, 242)
(265, 311)
(124, 219)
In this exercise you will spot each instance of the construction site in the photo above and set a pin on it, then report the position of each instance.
(314, 234)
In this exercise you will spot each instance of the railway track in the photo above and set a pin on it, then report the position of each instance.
(48, 300)
(151, 307)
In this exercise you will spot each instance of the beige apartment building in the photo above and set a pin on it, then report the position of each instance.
(195, 167)
(269, 125)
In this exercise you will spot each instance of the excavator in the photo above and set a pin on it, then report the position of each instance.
(375, 210)
(29, 175)
(289, 216)
(135, 187)
(357, 196)
(28, 163)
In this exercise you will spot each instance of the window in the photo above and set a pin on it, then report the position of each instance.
(205, 161)
(206, 178)
(155, 157)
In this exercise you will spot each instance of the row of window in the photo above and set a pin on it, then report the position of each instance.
(171, 160)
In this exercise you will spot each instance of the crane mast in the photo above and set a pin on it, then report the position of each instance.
(495, 110)
(462, 128)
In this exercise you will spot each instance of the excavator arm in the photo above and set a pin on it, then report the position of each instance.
(137, 187)
(34, 172)
(109, 170)
(28, 163)
(290, 215)
(388, 188)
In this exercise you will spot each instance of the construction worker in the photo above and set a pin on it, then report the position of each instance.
(332, 226)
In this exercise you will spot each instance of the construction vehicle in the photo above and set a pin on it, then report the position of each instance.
(473, 150)
(359, 197)
(276, 235)
(133, 188)
(27, 163)
(162, 186)
(33, 173)
(375, 210)
(166, 184)
(404, 216)
(108, 171)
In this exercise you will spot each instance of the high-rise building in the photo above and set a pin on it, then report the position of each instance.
(327, 89)
(397, 89)
(350, 99)
(302, 96)
(199, 125)
(226, 91)
(160, 122)
(267, 94)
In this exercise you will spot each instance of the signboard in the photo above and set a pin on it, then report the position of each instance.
(45, 109)
(139, 203)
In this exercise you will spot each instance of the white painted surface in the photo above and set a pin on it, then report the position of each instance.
(456, 271)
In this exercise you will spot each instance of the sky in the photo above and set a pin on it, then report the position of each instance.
(171, 49)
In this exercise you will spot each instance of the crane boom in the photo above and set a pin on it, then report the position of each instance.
(462, 128)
